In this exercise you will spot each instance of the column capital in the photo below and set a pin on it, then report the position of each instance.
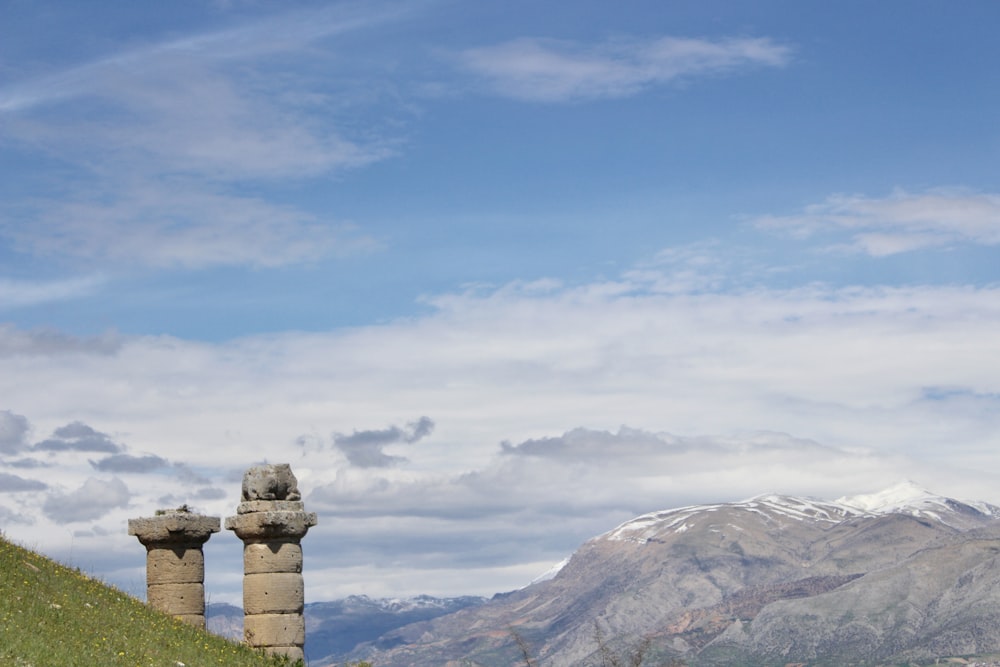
(273, 524)
(174, 526)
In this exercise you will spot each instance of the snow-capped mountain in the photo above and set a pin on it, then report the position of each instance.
(899, 574)
(903, 498)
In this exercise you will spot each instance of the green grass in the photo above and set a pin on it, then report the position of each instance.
(54, 616)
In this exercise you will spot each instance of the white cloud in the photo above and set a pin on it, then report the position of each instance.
(94, 499)
(557, 71)
(902, 222)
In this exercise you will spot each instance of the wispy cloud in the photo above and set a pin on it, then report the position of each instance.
(291, 31)
(190, 107)
(187, 125)
(544, 70)
(176, 225)
(902, 222)
(18, 293)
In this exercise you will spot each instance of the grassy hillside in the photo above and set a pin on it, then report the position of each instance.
(54, 616)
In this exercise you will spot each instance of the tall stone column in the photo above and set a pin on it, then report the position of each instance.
(272, 521)
(175, 562)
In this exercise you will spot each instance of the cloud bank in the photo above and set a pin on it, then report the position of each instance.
(552, 412)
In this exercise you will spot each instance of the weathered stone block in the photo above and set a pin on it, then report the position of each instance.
(261, 557)
(270, 482)
(274, 630)
(273, 593)
(177, 599)
(175, 566)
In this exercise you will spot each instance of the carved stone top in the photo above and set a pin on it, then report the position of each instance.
(272, 506)
(179, 526)
(270, 482)
(274, 525)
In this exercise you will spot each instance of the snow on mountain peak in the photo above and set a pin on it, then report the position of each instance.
(796, 507)
(899, 496)
(657, 524)
(910, 498)
(902, 498)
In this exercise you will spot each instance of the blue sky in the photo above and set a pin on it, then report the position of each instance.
(492, 276)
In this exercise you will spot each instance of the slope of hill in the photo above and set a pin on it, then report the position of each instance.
(900, 575)
(53, 616)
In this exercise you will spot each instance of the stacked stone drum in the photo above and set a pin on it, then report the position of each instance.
(175, 562)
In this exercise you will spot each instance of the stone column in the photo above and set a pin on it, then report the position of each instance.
(272, 521)
(175, 562)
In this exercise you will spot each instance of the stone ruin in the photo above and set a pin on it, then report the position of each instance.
(175, 562)
(271, 521)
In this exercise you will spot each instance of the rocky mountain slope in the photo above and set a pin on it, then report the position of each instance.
(898, 575)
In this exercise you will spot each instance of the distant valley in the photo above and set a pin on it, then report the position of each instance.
(334, 629)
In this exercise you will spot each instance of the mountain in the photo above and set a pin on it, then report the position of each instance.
(334, 629)
(901, 575)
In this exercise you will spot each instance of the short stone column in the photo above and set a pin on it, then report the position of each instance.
(272, 521)
(175, 562)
